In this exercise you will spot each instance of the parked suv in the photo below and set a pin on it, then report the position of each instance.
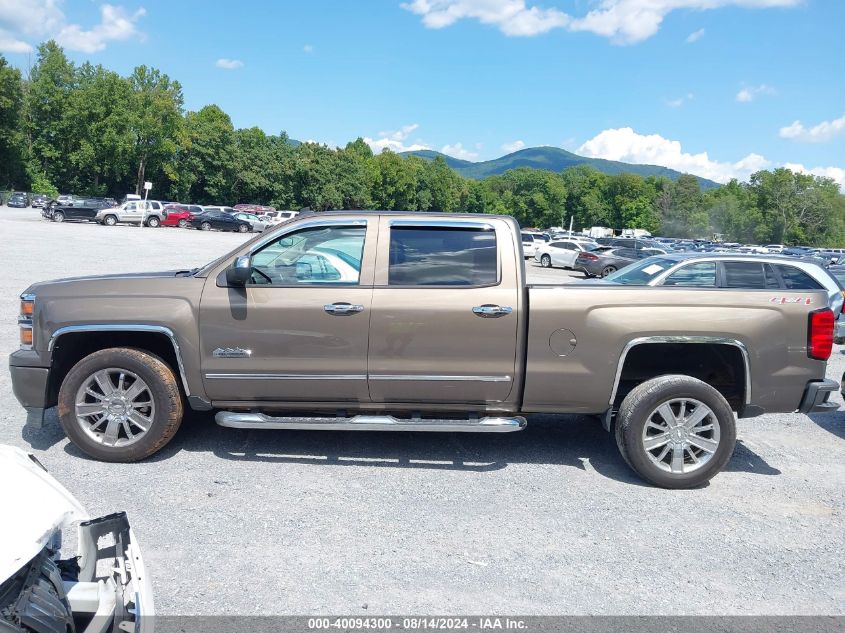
(145, 212)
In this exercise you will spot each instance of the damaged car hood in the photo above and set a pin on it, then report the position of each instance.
(36, 505)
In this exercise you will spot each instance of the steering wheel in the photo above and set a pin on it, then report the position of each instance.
(263, 274)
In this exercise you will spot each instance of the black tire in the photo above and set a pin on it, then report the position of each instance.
(58, 216)
(205, 226)
(243, 228)
(162, 386)
(154, 222)
(607, 270)
(546, 261)
(110, 220)
(183, 224)
(634, 414)
(839, 340)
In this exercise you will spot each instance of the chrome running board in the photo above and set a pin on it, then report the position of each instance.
(235, 420)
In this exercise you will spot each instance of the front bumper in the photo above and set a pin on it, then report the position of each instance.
(29, 384)
(817, 397)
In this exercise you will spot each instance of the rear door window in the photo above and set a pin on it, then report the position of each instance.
(447, 256)
(747, 275)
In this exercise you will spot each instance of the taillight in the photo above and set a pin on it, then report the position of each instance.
(820, 334)
(588, 256)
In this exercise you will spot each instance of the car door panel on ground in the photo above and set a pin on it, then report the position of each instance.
(443, 299)
(299, 329)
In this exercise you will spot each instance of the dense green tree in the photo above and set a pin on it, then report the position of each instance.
(207, 157)
(12, 146)
(156, 115)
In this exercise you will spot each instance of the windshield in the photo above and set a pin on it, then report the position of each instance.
(641, 273)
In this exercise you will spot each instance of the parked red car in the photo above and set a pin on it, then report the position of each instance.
(177, 216)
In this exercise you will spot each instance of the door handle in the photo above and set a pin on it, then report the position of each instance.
(343, 309)
(489, 311)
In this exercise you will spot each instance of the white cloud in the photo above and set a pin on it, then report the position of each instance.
(622, 21)
(513, 147)
(512, 17)
(677, 103)
(308, 48)
(837, 174)
(624, 144)
(25, 21)
(458, 151)
(395, 140)
(693, 37)
(820, 133)
(229, 64)
(749, 93)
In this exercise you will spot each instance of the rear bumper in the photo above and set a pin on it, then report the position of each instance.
(817, 397)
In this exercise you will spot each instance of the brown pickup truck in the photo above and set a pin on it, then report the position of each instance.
(419, 322)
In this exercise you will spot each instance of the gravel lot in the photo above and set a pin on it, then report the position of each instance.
(547, 521)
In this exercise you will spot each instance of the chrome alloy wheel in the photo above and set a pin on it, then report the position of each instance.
(681, 435)
(115, 407)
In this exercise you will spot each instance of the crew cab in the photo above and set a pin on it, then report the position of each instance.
(418, 322)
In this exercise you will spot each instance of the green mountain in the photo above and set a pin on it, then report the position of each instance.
(552, 159)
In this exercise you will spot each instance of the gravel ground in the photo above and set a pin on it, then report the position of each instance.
(547, 521)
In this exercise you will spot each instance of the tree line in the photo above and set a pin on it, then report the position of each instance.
(87, 130)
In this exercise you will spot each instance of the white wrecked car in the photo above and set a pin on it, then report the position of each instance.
(104, 587)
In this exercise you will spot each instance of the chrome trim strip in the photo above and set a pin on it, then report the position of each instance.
(460, 224)
(441, 377)
(716, 340)
(286, 376)
(127, 327)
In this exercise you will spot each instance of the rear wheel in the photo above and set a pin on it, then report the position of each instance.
(110, 220)
(120, 404)
(675, 431)
(205, 226)
(153, 222)
(546, 261)
(607, 270)
(58, 216)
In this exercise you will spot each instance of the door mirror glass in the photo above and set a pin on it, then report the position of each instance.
(238, 274)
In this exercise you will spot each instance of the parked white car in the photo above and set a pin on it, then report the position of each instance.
(144, 212)
(257, 224)
(529, 244)
(277, 217)
(219, 208)
(90, 589)
(562, 253)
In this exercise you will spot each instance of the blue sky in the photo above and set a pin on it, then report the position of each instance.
(657, 81)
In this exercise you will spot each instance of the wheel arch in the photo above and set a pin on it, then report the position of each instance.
(721, 362)
(71, 344)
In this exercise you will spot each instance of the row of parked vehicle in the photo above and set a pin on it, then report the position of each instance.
(647, 262)
(156, 213)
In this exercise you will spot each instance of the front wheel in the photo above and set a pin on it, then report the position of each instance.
(120, 404)
(546, 261)
(110, 220)
(243, 228)
(183, 224)
(675, 431)
(58, 216)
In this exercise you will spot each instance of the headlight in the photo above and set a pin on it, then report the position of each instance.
(25, 320)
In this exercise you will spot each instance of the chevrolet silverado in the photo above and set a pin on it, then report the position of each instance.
(418, 322)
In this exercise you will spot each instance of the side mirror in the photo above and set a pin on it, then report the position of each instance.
(240, 272)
